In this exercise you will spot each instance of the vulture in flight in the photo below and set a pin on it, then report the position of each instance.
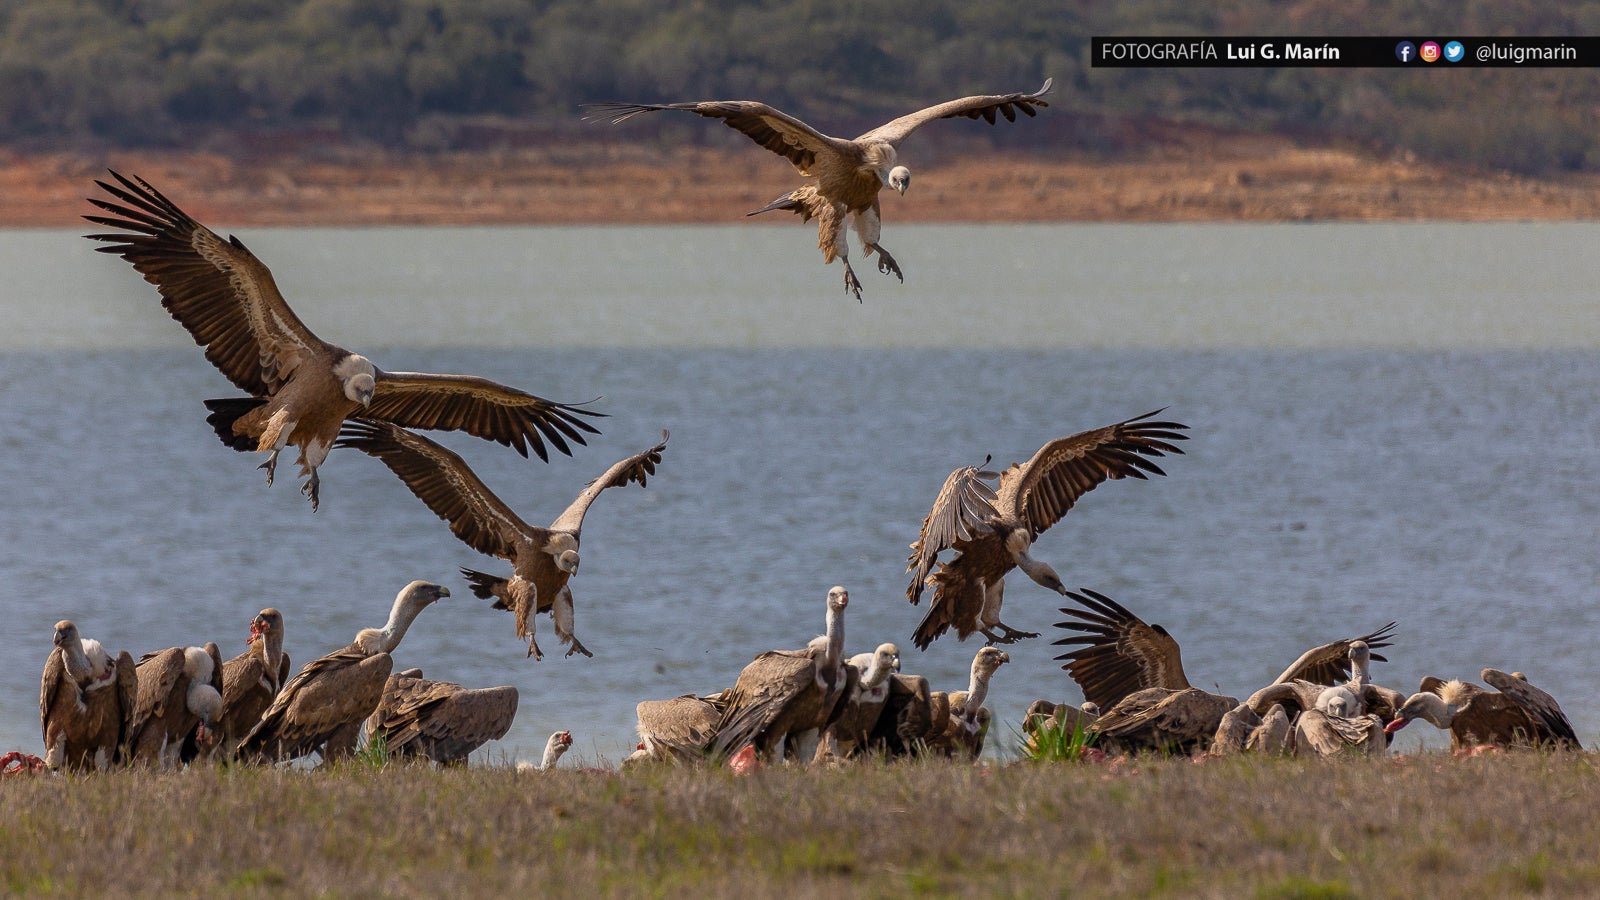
(324, 704)
(302, 388)
(991, 529)
(1515, 714)
(439, 719)
(86, 702)
(542, 559)
(1133, 672)
(848, 173)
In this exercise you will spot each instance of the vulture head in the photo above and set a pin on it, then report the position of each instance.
(987, 661)
(66, 634)
(900, 178)
(202, 699)
(838, 599)
(1017, 543)
(885, 660)
(418, 594)
(563, 547)
(359, 377)
(266, 622)
(1439, 709)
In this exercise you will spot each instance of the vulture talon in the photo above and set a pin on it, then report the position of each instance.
(851, 283)
(578, 647)
(887, 265)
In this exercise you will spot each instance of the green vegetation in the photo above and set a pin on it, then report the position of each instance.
(444, 74)
(1491, 826)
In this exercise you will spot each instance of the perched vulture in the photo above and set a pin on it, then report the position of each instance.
(863, 705)
(991, 529)
(559, 743)
(848, 174)
(542, 559)
(86, 702)
(180, 698)
(301, 387)
(906, 722)
(323, 706)
(1516, 714)
(677, 730)
(1133, 672)
(250, 681)
(789, 693)
(966, 721)
(443, 721)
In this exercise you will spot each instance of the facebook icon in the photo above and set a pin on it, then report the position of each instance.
(1405, 50)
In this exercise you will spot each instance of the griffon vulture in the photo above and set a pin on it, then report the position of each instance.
(542, 559)
(559, 743)
(677, 730)
(966, 721)
(991, 529)
(180, 698)
(848, 174)
(863, 705)
(1516, 714)
(301, 387)
(789, 693)
(438, 719)
(1133, 672)
(86, 702)
(250, 681)
(323, 705)
(906, 721)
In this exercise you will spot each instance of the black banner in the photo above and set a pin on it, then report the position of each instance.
(1440, 52)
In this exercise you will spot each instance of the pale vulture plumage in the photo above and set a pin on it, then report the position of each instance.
(849, 174)
(301, 387)
(560, 742)
(324, 704)
(991, 529)
(250, 681)
(180, 697)
(786, 694)
(678, 730)
(1133, 672)
(86, 702)
(440, 720)
(966, 722)
(864, 705)
(542, 559)
(1515, 714)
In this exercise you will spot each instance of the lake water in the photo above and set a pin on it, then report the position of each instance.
(1388, 422)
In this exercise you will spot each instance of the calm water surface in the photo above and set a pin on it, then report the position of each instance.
(1389, 422)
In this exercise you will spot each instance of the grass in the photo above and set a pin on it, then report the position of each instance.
(1492, 826)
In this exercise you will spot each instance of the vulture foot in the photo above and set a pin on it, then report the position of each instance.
(533, 649)
(310, 489)
(578, 647)
(1011, 635)
(887, 265)
(271, 465)
(851, 283)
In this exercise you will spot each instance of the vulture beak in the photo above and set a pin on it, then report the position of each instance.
(1395, 725)
(443, 593)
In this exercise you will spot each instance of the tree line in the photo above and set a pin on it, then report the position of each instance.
(408, 72)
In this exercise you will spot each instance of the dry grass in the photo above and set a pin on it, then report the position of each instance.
(1492, 826)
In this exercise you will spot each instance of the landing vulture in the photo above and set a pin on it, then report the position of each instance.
(86, 702)
(542, 559)
(440, 720)
(789, 693)
(301, 387)
(180, 699)
(848, 173)
(991, 529)
(1133, 672)
(250, 681)
(323, 705)
(1516, 714)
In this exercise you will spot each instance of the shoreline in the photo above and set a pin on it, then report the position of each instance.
(1223, 179)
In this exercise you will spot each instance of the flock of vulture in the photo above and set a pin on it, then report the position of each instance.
(185, 704)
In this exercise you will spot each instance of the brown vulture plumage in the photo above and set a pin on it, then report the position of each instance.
(442, 721)
(180, 700)
(251, 680)
(86, 702)
(991, 529)
(542, 559)
(1515, 714)
(302, 388)
(849, 174)
(324, 705)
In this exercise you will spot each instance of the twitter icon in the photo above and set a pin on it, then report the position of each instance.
(1454, 52)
